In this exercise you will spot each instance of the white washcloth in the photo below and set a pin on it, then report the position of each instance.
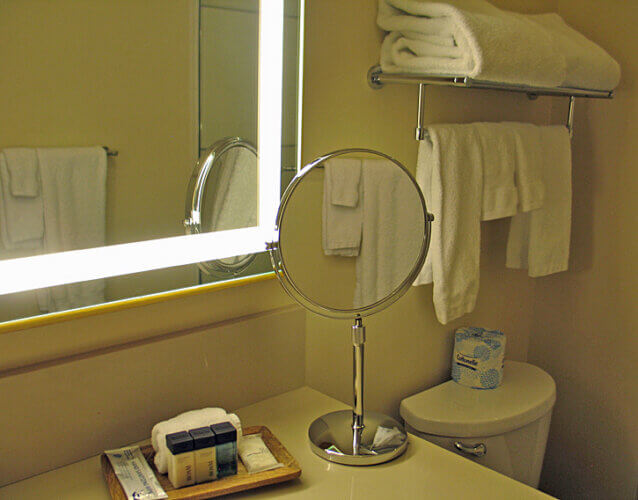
(498, 151)
(185, 422)
(342, 210)
(389, 241)
(450, 173)
(22, 164)
(539, 240)
(490, 44)
(74, 200)
(21, 216)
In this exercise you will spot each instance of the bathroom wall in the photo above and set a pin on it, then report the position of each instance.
(407, 349)
(585, 320)
(73, 389)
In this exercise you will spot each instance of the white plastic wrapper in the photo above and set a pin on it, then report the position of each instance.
(255, 455)
(135, 475)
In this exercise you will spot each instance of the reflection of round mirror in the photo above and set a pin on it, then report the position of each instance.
(353, 233)
(222, 195)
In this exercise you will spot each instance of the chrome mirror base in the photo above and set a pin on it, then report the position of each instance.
(333, 438)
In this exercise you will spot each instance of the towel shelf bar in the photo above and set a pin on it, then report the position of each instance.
(377, 79)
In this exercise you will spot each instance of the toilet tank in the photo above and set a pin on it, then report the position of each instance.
(504, 429)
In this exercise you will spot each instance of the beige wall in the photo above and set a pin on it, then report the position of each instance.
(579, 325)
(585, 320)
(76, 395)
(407, 349)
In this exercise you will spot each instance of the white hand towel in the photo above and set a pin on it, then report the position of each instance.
(22, 164)
(185, 422)
(74, 200)
(389, 241)
(21, 216)
(498, 152)
(342, 211)
(539, 240)
(449, 171)
(490, 44)
(529, 179)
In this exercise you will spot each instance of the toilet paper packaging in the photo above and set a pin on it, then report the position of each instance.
(478, 357)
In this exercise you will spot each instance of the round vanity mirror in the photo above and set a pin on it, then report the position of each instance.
(353, 233)
(222, 195)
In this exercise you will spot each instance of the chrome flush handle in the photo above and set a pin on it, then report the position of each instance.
(476, 450)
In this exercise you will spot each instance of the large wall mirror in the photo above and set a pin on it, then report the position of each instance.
(107, 107)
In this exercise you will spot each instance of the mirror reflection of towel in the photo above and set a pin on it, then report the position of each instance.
(74, 201)
(392, 231)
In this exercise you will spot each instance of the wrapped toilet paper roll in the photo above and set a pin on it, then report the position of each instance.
(478, 357)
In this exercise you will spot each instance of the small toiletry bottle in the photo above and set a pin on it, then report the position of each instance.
(226, 448)
(181, 460)
(204, 446)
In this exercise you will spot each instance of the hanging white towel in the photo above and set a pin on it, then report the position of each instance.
(21, 213)
(498, 153)
(390, 241)
(528, 178)
(74, 200)
(539, 239)
(491, 44)
(342, 210)
(449, 171)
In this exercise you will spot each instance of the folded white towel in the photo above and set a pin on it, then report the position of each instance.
(22, 164)
(498, 152)
(490, 44)
(539, 239)
(74, 200)
(342, 210)
(185, 422)
(21, 215)
(450, 173)
(389, 243)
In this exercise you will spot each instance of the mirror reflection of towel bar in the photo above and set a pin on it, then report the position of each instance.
(111, 152)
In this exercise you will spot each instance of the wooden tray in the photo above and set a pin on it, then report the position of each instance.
(231, 484)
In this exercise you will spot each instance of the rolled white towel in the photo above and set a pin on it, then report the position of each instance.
(184, 422)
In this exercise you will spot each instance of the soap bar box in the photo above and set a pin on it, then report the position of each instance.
(241, 481)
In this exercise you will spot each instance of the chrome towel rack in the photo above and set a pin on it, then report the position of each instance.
(111, 152)
(377, 79)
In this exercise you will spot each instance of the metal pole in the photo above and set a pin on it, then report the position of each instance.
(358, 340)
(570, 116)
(420, 129)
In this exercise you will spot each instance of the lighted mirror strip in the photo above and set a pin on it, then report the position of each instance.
(29, 273)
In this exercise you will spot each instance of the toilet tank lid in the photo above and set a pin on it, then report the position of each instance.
(450, 409)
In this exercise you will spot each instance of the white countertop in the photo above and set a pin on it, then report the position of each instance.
(424, 471)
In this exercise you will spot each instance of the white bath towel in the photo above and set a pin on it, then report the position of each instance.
(74, 201)
(539, 239)
(21, 211)
(450, 173)
(499, 158)
(342, 214)
(185, 422)
(490, 44)
(390, 241)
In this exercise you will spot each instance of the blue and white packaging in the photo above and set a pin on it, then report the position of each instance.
(478, 357)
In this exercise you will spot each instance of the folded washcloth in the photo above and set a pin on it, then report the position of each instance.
(539, 239)
(22, 164)
(342, 209)
(184, 422)
(21, 215)
(473, 38)
(450, 174)
(389, 242)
